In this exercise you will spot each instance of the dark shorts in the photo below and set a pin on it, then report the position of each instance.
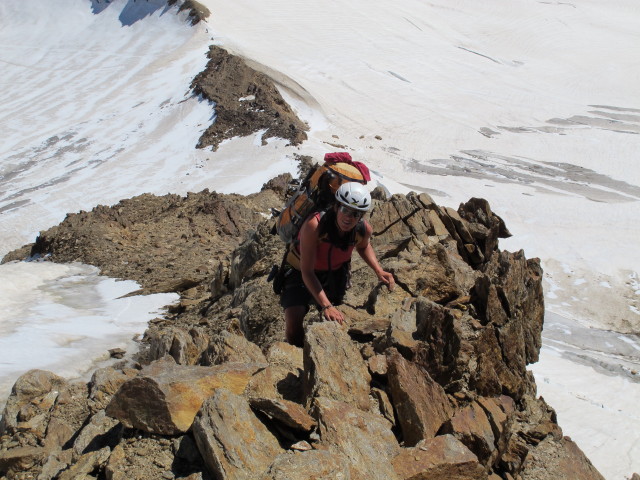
(295, 293)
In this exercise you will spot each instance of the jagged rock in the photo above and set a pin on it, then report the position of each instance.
(370, 326)
(385, 407)
(86, 464)
(485, 226)
(185, 346)
(441, 457)
(282, 379)
(226, 79)
(466, 318)
(45, 410)
(32, 397)
(21, 459)
(497, 410)
(398, 339)
(233, 442)
(288, 413)
(471, 426)
(364, 438)
(525, 428)
(421, 404)
(228, 347)
(554, 459)
(426, 272)
(333, 366)
(54, 464)
(313, 464)
(276, 382)
(158, 241)
(165, 397)
(100, 432)
(154, 457)
(104, 383)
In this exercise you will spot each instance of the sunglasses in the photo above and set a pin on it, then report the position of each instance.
(351, 212)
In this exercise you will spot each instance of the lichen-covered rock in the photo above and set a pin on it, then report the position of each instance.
(285, 412)
(233, 442)
(313, 464)
(364, 438)
(229, 347)
(165, 397)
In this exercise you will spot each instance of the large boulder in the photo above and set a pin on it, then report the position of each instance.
(234, 443)
(165, 397)
(421, 404)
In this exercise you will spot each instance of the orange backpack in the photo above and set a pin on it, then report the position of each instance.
(317, 190)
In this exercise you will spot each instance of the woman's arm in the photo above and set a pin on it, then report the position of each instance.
(309, 238)
(365, 250)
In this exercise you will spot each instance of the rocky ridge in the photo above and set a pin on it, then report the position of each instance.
(428, 381)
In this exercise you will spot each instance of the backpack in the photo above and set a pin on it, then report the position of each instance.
(317, 190)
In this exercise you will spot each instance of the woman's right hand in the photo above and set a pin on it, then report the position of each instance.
(333, 314)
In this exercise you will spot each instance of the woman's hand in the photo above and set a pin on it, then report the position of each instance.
(387, 279)
(333, 314)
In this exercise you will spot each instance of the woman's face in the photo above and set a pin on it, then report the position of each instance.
(347, 218)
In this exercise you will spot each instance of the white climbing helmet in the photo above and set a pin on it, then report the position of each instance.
(354, 195)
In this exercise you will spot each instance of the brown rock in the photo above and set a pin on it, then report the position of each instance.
(226, 79)
(165, 397)
(276, 382)
(385, 407)
(21, 459)
(471, 426)
(421, 403)
(364, 438)
(104, 383)
(333, 366)
(232, 441)
(369, 326)
(426, 272)
(497, 411)
(228, 347)
(290, 414)
(286, 355)
(184, 345)
(441, 457)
